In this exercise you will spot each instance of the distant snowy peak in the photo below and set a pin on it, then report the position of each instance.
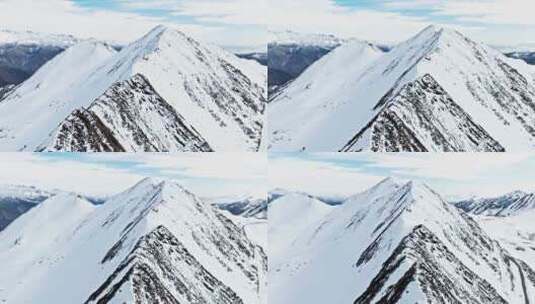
(23, 191)
(248, 207)
(510, 204)
(438, 91)
(29, 37)
(156, 241)
(180, 95)
(290, 37)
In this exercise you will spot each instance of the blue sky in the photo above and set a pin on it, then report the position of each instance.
(452, 174)
(206, 174)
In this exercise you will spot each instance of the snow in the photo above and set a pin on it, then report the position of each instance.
(51, 94)
(29, 37)
(328, 105)
(302, 113)
(172, 62)
(320, 262)
(66, 238)
(515, 232)
(290, 37)
(23, 191)
(290, 216)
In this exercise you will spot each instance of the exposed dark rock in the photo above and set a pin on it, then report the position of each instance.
(422, 112)
(119, 121)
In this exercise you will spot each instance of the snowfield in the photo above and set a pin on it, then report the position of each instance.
(438, 91)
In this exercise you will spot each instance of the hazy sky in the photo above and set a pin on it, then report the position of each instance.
(206, 174)
(233, 23)
(492, 21)
(243, 24)
(451, 174)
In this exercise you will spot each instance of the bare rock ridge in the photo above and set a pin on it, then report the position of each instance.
(98, 128)
(425, 104)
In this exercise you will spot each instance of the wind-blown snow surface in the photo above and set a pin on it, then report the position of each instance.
(438, 91)
(396, 243)
(155, 242)
(508, 218)
(210, 99)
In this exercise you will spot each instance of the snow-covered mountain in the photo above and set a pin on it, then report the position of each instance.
(22, 53)
(438, 91)
(245, 207)
(153, 243)
(515, 232)
(260, 57)
(163, 92)
(527, 56)
(18, 199)
(290, 53)
(509, 219)
(394, 243)
(505, 205)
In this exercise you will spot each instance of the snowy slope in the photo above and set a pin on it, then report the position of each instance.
(509, 204)
(398, 243)
(289, 216)
(17, 199)
(313, 95)
(209, 98)
(515, 232)
(155, 242)
(438, 91)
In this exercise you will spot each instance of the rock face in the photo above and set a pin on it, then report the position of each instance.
(415, 120)
(438, 91)
(154, 243)
(130, 116)
(513, 203)
(399, 243)
(213, 99)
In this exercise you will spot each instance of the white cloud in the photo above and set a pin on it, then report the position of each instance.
(64, 17)
(30, 169)
(206, 174)
(458, 175)
(453, 166)
(325, 16)
(519, 12)
(398, 20)
(318, 177)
